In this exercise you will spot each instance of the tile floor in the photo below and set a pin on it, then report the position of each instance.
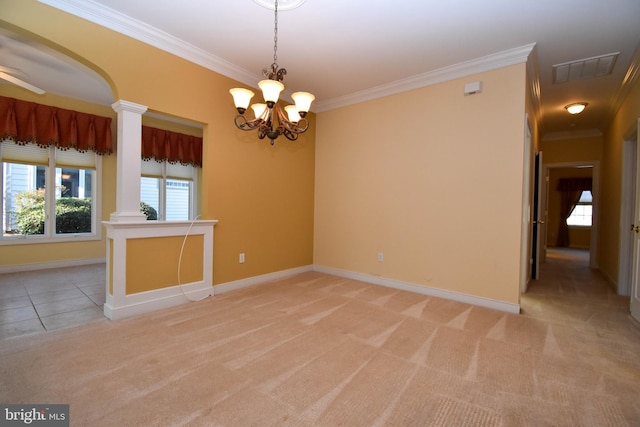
(44, 300)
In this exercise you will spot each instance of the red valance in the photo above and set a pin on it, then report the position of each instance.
(30, 123)
(173, 147)
(574, 184)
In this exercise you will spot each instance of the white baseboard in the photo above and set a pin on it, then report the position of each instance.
(146, 302)
(423, 290)
(47, 265)
(258, 280)
(158, 299)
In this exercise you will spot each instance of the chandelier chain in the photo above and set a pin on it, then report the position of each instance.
(275, 34)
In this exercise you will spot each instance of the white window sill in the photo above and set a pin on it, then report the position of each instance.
(37, 240)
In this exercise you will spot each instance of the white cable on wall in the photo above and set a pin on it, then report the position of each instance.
(184, 241)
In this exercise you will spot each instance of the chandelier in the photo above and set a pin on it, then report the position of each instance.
(270, 119)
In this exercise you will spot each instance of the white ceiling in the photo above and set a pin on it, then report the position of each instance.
(344, 51)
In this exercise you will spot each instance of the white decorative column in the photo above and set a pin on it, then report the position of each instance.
(128, 292)
(129, 151)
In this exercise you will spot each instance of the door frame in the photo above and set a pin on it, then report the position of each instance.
(539, 247)
(526, 226)
(627, 213)
(634, 299)
(595, 192)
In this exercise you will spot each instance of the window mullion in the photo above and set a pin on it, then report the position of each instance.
(192, 193)
(51, 188)
(95, 201)
(163, 193)
(2, 196)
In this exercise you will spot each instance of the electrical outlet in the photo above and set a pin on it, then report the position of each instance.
(380, 257)
(241, 258)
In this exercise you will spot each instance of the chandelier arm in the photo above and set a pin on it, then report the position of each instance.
(291, 136)
(247, 125)
(297, 128)
(265, 126)
(300, 127)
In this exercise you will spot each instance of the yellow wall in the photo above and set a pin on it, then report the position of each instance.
(623, 124)
(262, 195)
(152, 263)
(583, 149)
(431, 178)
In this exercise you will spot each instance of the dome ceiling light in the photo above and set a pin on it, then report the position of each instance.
(576, 107)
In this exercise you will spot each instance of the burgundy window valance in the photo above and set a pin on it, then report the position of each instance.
(29, 123)
(173, 147)
(574, 184)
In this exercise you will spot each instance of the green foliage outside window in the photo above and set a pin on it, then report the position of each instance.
(149, 211)
(30, 212)
(73, 215)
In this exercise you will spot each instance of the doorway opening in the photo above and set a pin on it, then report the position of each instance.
(565, 196)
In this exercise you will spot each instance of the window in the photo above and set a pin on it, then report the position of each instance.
(169, 188)
(48, 193)
(581, 214)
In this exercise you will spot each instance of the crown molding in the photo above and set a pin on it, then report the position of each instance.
(486, 63)
(116, 21)
(533, 77)
(631, 77)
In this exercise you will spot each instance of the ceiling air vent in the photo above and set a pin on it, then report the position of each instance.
(596, 66)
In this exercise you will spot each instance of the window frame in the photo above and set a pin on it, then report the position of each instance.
(582, 204)
(162, 195)
(50, 236)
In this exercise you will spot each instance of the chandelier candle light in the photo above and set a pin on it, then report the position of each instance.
(270, 120)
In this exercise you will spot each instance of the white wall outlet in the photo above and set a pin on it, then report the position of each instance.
(241, 258)
(380, 257)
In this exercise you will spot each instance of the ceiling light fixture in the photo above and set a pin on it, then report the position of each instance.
(270, 120)
(576, 108)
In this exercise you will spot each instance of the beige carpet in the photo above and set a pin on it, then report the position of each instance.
(318, 350)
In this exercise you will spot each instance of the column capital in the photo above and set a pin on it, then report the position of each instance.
(122, 105)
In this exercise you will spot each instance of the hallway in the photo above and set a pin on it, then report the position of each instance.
(569, 291)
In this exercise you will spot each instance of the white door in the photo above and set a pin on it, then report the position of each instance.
(635, 282)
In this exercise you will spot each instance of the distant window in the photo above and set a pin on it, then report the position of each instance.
(169, 189)
(581, 215)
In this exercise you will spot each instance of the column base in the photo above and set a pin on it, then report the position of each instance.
(127, 217)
